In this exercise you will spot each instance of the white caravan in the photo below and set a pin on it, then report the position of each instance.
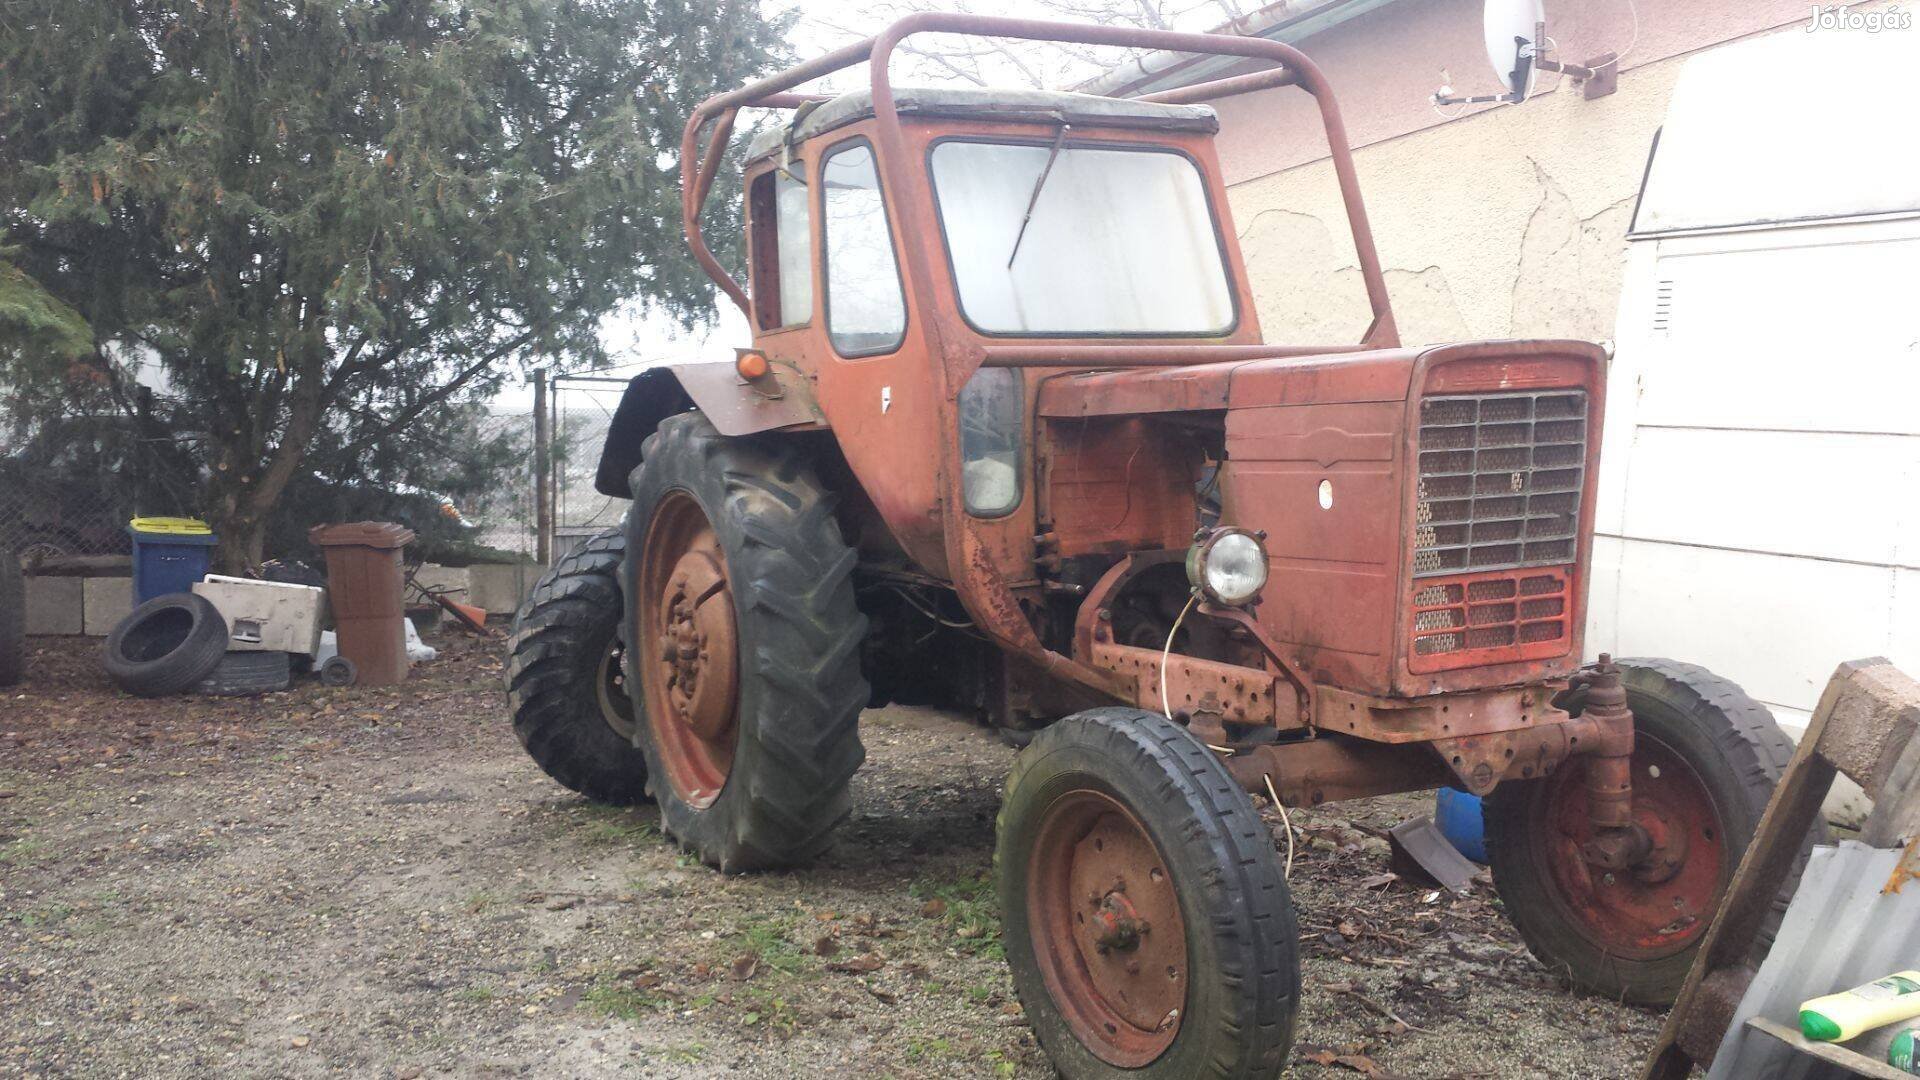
(1759, 508)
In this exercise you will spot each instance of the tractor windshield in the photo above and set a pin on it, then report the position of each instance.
(1118, 241)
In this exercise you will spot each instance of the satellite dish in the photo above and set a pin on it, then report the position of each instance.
(1510, 26)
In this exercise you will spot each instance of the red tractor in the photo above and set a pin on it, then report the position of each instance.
(1008, 439)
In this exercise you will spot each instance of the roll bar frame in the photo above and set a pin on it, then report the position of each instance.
(774, 92)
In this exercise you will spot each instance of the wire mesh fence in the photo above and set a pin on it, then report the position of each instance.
(73, 471)
(508, 516)
(47, 512)
(70, 481)
(583, 407)
(563, 457)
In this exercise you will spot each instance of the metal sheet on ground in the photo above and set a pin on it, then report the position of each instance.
(1841, 931)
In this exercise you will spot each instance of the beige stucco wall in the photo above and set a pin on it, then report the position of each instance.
(1509, 223)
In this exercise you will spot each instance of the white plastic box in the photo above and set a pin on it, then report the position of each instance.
(265, 615)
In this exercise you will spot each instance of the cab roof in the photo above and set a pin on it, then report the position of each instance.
(1007, 106)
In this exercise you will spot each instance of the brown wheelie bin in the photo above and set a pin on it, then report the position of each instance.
(366, 587)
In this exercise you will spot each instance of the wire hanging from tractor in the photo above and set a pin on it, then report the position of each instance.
(1166, 709)
(1286, 820)
(1166, 654)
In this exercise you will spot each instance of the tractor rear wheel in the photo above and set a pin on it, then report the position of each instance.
(564, 681)
(743, 646)
(1148, 923)
(1705, 760)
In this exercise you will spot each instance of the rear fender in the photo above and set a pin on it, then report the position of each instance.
(780, 400)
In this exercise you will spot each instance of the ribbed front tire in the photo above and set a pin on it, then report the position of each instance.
(1148, 922)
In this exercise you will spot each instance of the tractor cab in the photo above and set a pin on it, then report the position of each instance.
(1055, 216)
(1006, 217)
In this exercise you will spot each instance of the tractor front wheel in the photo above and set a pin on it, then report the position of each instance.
(743, 646)
(1705, 760)
(1148, 924)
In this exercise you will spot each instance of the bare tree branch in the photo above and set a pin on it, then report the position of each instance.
(1042, 64)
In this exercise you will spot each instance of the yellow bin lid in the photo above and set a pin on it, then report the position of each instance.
(177, 526)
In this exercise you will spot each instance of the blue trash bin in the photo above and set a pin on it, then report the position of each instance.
(1458, 815)
(169, 555)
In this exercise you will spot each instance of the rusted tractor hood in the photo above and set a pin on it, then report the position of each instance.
(1381, 375)
(1368, 376)
(1319, 457)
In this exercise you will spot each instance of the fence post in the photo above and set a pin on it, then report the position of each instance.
(542, 473)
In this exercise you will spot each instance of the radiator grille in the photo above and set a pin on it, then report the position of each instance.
(1519, 614)
(1500, 480)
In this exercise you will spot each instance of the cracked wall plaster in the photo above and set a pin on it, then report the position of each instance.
(1510, 223)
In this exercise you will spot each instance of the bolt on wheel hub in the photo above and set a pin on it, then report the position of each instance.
(697, 629)
(610, 691)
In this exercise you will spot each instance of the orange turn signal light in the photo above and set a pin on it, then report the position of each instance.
(751, 365)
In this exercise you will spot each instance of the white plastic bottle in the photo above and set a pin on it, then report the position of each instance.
(1839, 1017)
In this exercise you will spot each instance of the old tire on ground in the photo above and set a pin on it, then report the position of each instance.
(1147, 921)
(165, 645)
(242, 674)
(1706, 758)
(565, 684)
(338, 672)
(13, 620)
(743, 646)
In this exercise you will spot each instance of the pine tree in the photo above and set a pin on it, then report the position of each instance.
(324, 220)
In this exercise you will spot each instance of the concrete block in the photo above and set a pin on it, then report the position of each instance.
(499, 587)
(451, 580)
(104, 601)
(53, 605)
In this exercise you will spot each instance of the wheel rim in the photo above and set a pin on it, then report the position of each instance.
(690, 665)
(1660, 907)
(1106, 928)
(610, 689)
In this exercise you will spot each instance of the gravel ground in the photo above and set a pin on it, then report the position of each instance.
(378, 882)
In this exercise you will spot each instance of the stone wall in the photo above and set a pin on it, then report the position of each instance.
(93, 605)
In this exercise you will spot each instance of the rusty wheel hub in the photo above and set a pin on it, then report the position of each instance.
(692, 678)
(696, 630)
(1646, 891)
(610, 690)
(1107, 929)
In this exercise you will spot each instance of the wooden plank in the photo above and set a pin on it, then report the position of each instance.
(1729, 938)
(1832, 1053)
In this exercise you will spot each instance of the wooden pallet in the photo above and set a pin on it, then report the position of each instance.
(1832, 1053)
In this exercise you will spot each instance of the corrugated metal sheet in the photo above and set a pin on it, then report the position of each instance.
(1839, 932)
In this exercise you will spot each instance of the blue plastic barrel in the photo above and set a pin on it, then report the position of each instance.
(1458, 815)
(169, 555)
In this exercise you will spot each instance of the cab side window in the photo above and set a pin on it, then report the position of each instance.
(866, 310)
(990, 415)
(781, 264)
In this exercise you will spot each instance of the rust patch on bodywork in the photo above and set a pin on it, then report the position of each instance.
(1195, 687)
(1117, 485)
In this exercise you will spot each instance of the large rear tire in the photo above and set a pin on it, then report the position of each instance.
(743, 657)
(1706, 757)
(1148, 923)
(565, 685)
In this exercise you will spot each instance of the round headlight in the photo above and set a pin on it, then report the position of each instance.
(1228, 566)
